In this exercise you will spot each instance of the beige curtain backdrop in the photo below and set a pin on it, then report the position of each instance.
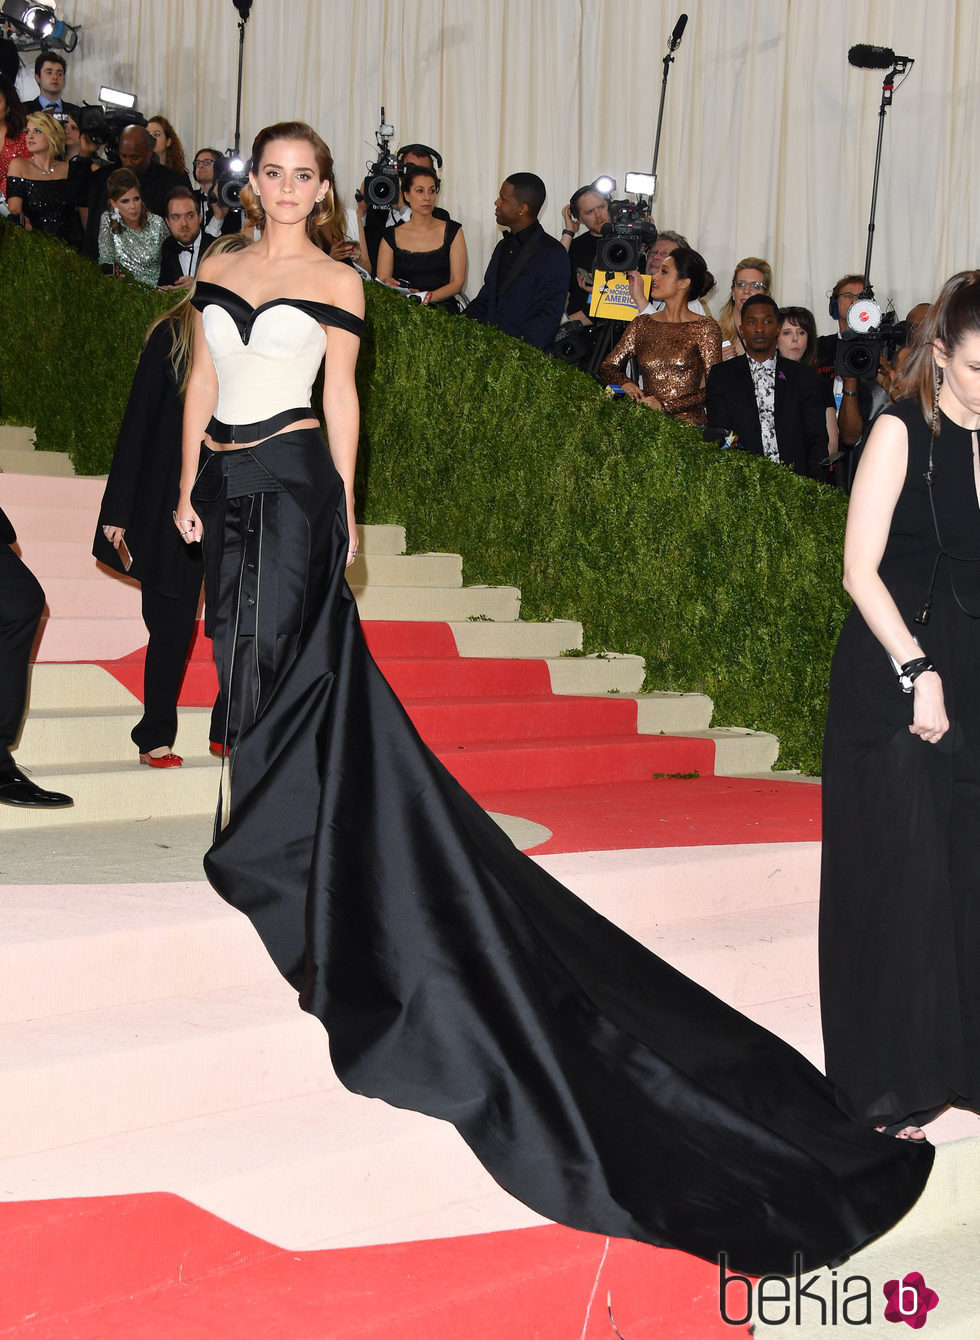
(768, 138)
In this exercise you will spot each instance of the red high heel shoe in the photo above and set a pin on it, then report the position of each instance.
(161, 760)
(219, 750)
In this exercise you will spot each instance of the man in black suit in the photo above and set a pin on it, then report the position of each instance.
(49, 71)
(526, 282)
(219, 220)
(21, 607)
(773, 405)
(156, 182)
(184, 249)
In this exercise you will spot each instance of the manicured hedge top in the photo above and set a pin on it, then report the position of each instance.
(722, 570)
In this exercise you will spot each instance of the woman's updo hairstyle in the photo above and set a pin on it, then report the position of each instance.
(690, 264)
(413, 171)
(322, 215)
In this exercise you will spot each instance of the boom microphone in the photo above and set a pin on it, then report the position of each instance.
(871, 58)
(678, 33)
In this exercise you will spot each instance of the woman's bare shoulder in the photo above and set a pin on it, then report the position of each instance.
(337, 284)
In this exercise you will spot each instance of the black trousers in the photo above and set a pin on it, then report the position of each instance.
(21, 607)
(170, 623)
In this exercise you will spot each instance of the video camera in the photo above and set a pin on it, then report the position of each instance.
(382, 187)
(869, 336)
(229, 177)
(105, 125)
(627, 237)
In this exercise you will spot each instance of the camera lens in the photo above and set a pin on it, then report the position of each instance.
(381, 191)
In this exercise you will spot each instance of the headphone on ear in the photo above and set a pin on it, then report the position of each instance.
(833, 308)
(421, 151)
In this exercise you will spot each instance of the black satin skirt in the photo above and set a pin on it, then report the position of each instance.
(454, 976)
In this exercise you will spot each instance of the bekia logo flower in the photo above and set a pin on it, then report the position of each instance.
(909, 1300)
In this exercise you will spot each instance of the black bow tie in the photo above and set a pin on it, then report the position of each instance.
(187, 246)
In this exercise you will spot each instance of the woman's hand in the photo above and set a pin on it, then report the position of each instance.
(187, 521)
(651, 402)
(632, 390)
(114, 534)
(635, 280)
(345, 250)
(929, 719)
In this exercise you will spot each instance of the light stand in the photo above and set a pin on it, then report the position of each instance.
(902, 64)
(243, 7)
(673, 42)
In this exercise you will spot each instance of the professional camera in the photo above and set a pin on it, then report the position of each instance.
(627, 237)
(382, 187)
(104, 126)
(869, 336)
(226, 184)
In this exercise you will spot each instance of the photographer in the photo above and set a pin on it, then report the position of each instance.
(220, 220)
(590, 207)
(372, 222)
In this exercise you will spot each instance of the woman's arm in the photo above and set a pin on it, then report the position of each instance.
(15, 189)
(457, 270)
(877, 486)
(107, 250)
(341, 412)
(618, 359)
(200, 398)
(386, 265)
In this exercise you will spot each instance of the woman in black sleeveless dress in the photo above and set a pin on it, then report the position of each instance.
(900, 886)
(426, 253)
(453, 975)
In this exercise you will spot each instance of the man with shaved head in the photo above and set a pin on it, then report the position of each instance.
(156, 182)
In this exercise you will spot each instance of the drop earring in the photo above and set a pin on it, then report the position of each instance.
(937, 381)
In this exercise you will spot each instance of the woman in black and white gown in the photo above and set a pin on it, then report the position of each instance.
(453, 975)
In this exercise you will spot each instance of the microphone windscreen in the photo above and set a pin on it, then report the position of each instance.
(871, 58)
(678, 32)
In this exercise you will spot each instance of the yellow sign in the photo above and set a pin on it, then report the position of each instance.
(612, 298)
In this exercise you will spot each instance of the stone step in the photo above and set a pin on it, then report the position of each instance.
(327, 1169)
(486, 637)
(92, 945)
(60, 684)
(34, 463)
(446, 604)
(110, 791)
(54, 737)
(99, 1072)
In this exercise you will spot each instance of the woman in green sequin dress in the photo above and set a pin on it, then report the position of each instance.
(130, 237)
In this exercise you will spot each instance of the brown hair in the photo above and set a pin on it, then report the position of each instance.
(726, 318)
(954, 315)
(175, 154)
(16, 116)
(324, 217)
(803, 318)
(121, 181)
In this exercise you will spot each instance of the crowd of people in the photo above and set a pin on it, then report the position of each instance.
(308, 842)
(757, 377)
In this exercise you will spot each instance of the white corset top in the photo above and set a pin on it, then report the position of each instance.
(273, 371)
(266, 357)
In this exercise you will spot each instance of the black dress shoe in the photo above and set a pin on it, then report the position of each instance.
(16, 789)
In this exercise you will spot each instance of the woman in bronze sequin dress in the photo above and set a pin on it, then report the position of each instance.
(675, 349)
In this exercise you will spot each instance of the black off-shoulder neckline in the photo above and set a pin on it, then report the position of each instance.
(245, 315)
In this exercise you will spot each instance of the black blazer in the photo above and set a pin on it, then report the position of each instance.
(798, 402)
(170, 270)
(68, 107)
(7, 533)
(144, 478)
(532, 300)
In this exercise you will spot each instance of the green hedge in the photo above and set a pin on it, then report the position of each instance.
(720, 569)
